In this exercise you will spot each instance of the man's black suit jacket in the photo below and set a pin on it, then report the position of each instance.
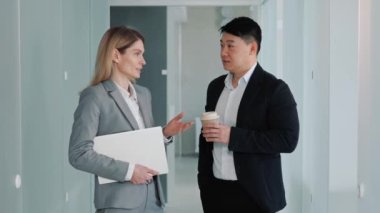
(266, 125)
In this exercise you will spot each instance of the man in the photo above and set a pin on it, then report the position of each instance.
(239, 168)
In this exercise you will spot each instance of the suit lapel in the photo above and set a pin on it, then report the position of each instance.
(120, 102)
(216, 91)
(250, 93)
(143, 105)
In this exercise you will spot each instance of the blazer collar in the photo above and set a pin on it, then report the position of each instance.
(143, 102)
(114, 92)
(256, 77)
(251, 91)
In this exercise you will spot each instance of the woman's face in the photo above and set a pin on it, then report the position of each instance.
(131, 62)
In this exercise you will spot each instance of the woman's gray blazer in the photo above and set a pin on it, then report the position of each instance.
(101, 111)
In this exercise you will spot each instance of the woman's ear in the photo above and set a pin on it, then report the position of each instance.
(115, 56)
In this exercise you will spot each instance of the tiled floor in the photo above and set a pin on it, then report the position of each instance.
(186, 198)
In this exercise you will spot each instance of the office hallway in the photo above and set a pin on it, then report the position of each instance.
(186, 193)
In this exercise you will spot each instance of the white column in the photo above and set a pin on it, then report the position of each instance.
(343, 146)
(175, 16)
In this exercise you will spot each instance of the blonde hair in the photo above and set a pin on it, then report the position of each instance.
(120, 38)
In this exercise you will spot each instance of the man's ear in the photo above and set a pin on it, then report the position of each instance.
(254, 48)
(115, 56)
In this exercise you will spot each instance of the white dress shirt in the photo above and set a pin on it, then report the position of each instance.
(227, 107)
(130, 98)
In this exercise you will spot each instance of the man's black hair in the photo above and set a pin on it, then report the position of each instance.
(245, 28)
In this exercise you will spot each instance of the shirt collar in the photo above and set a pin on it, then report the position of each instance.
(245, 78)
(130, 93)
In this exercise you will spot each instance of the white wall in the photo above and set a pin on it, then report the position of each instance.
(341, 102)
(268, 23)
(343, 139)
(331, 100)
(316, 106)
(282, 54)
(200, 64)
(292, 73)
(45, 55)
(10, 112)
(369, 105)
(175, 16)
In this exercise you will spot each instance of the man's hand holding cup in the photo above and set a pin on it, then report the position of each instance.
(213, 130)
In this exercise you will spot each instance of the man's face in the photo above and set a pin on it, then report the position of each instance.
(237, 56)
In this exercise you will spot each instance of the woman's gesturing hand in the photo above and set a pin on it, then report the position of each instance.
(176, 126)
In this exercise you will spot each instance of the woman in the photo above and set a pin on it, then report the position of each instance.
(114, 103)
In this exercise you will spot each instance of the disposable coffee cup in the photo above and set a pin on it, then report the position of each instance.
(209, 117)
